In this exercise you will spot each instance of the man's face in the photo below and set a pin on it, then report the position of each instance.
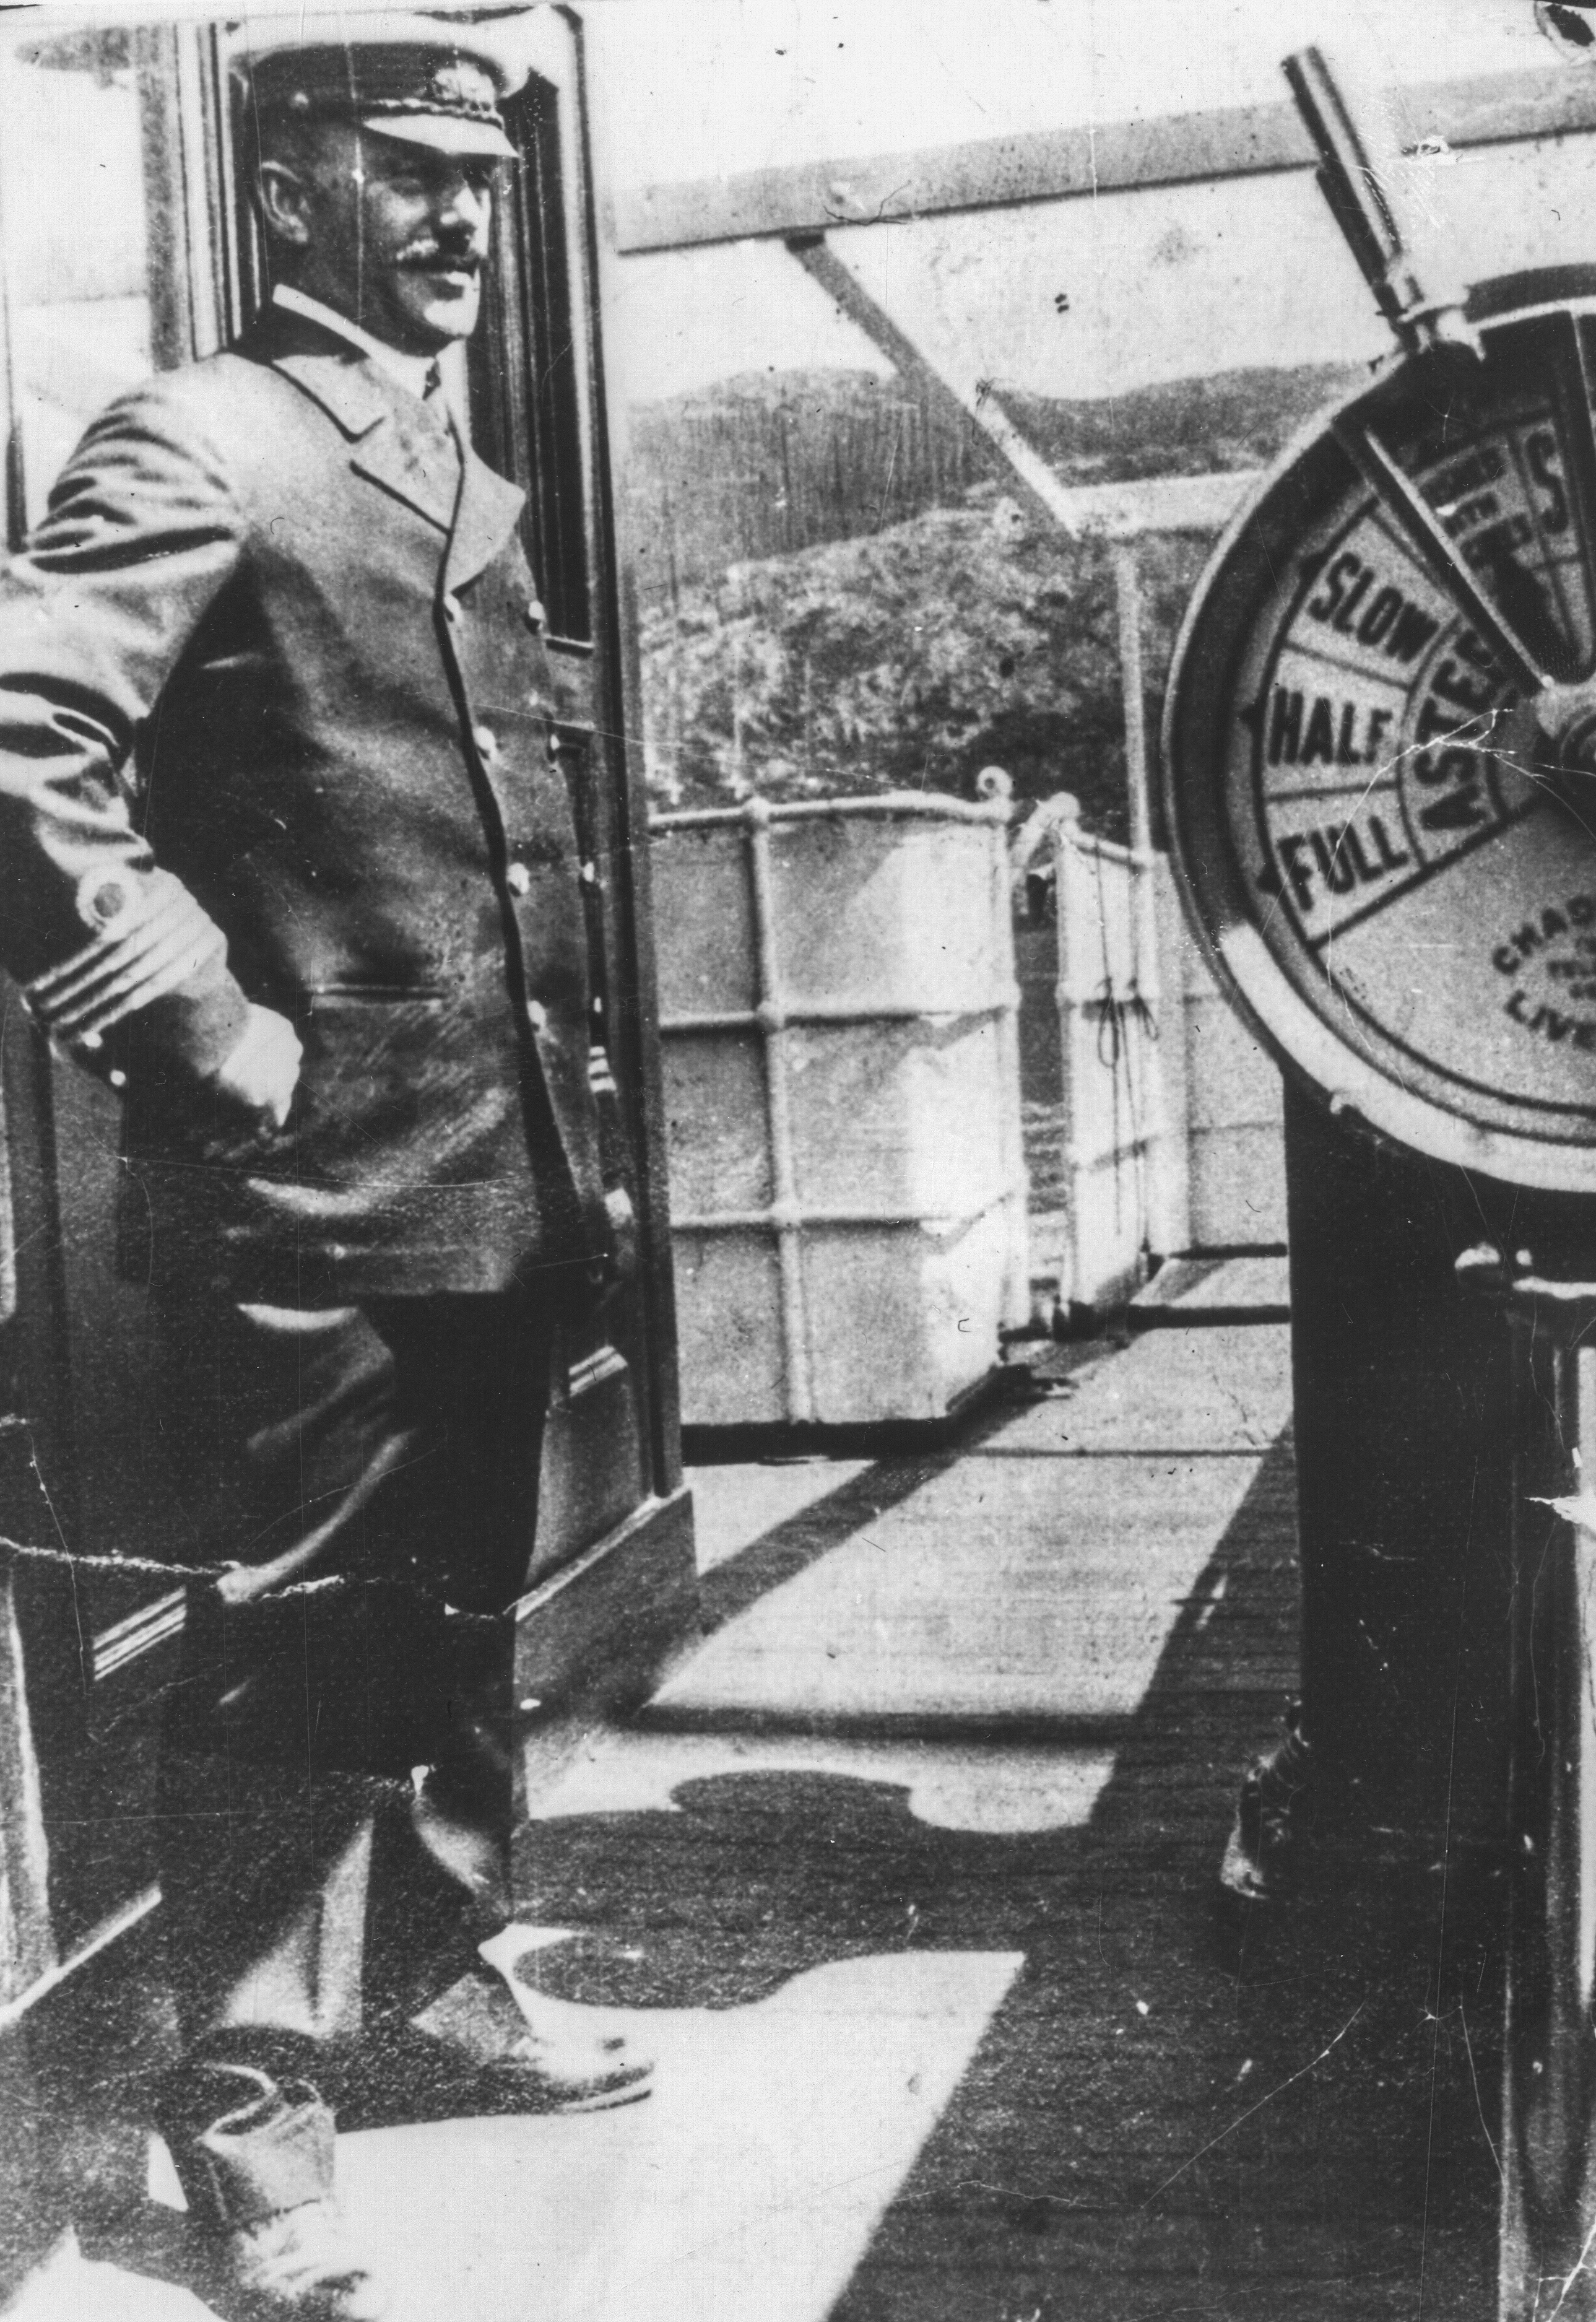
(394, 235)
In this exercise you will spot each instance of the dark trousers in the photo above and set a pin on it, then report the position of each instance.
(337, 1771)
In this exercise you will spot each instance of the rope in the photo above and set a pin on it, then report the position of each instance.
(1112, 1014)
(151, 1568)
(1113, 1049)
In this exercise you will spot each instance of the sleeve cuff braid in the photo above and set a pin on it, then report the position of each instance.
(150, 938)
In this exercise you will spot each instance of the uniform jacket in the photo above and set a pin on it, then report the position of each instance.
(257, 643)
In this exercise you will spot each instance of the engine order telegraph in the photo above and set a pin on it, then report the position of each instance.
(1381, 735)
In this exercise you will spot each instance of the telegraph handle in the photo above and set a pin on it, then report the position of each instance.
(1351, 186)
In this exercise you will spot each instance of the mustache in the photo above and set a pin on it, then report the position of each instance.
(426, 257)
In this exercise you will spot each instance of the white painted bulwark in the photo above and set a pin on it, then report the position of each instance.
(1170, 1118)
(1109, 1008)
(838, 1006)
(1230, 1097)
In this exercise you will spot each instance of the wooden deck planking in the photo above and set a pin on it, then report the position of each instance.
(1262, 2141)
(1016, 2074)
(1027, 1587)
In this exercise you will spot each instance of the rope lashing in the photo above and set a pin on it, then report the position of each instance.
(16, 1551)
(1111, 1015)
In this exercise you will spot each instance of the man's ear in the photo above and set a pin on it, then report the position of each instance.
(285, 203)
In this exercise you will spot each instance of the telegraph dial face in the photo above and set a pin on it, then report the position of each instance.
(1380, 747)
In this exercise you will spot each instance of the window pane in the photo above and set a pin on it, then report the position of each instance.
(72, 196)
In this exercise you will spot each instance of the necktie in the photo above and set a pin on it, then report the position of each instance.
(435, 441)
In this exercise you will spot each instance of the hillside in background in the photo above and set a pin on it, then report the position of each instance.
(771, 462)
(839, 595)
(961, 638)
(1182, 427)
(768, 462)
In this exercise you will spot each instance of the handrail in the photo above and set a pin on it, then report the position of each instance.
(755, 813)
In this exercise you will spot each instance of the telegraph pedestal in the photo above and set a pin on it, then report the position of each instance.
(1548, 2127)
(1403, 1445)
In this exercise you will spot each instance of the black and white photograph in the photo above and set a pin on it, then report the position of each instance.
(798, 1161)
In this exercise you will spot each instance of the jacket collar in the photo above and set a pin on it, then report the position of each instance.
(412, 371)
(328, 369)
(392, 446)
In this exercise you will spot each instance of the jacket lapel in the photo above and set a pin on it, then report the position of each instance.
(401, 455)
(336, 377)
(417, 463)
(407, 457)
(484, 519)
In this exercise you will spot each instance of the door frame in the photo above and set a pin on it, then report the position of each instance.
(597, 1624)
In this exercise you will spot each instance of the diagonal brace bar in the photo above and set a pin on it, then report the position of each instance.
(972, 401)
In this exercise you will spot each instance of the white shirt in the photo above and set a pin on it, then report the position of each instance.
(411, 371)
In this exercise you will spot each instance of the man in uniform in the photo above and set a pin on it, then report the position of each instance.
(286, 854)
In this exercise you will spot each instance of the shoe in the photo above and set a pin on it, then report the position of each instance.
(541, 2075)
(561, 2061)
(1259, 1860)
(254, 2150)
(295, 2265)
